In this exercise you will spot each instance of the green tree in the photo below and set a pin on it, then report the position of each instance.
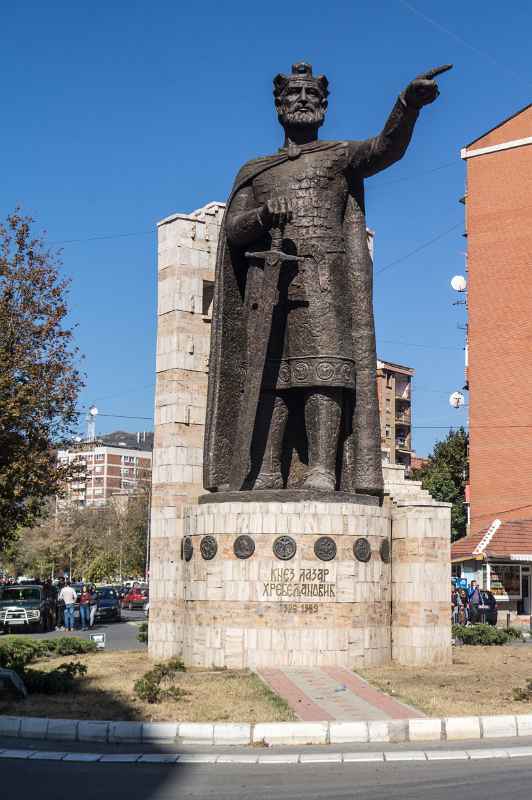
(445, 477)
(39, 379)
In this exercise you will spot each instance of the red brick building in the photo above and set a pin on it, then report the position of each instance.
(499, 230)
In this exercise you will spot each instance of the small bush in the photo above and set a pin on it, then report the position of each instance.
(525, 694)
(480, 634)
(16, 653)
(57, 681)
(142, 635)
(65, 646)
(149, 689)
(514, 633)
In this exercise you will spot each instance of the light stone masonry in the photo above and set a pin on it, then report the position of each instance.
(229, 612)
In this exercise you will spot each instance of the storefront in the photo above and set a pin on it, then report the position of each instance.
(500, 560)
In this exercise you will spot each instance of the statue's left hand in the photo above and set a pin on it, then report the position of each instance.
(424, 89)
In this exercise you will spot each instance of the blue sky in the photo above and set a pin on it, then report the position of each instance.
(116, 114)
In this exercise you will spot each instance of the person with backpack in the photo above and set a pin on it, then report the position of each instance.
(475, 600)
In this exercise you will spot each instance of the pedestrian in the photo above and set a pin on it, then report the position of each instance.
(475, 600)
(93, 605)
(456, 602)
(84, 607)
(60, 606)
(68, 596)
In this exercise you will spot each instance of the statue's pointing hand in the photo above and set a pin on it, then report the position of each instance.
(424, 89)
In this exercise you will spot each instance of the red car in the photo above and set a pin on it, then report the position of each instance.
(135, 598)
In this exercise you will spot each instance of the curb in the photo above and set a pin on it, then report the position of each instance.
(268, 733)
(311, 759)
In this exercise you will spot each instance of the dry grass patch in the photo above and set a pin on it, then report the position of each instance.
(480, 681)
(107, 693)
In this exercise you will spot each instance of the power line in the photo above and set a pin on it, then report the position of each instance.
(455, 162)
(114, 416)
(459, 39)
(418, 249)
(415, 344)
(102, 238)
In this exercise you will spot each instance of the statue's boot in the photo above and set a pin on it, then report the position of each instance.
(270, 476)
(323, 416)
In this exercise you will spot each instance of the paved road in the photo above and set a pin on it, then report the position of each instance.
(118, 635)
(481, 780)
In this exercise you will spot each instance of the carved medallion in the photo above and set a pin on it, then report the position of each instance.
(284, 548)
(325, 548)
(385, 550)
(244, 546)
(362, 549)
(188, 548)
(208, 547)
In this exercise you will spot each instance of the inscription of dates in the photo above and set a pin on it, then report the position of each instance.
(244, 546)
(208, 547)
(298, 608)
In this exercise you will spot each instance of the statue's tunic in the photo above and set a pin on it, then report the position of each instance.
(311, 342)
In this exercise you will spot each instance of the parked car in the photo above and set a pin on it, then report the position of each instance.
(108, 604)
(488, 608)
(26, 606)
(135, 598)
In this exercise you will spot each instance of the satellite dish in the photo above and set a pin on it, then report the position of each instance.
(459, 283)
(456, 400)
(93, 411)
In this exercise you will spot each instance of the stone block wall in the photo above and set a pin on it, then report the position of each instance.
(187, 246)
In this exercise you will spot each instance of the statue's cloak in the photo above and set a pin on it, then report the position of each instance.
(361, 469)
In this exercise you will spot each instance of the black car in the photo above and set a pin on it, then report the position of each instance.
(27, 607)
(487, 610)
(108, 607)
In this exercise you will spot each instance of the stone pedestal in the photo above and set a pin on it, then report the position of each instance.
(309, 583)
(292, 584)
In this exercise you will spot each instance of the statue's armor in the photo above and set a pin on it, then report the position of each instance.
(311, 342)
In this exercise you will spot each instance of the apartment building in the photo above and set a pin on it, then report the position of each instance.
(394, 388)
(102, 470)
(498, 205)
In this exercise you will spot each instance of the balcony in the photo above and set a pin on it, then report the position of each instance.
(403, 418)
(402, 444)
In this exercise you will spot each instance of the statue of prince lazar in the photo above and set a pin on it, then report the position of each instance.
(293, 361)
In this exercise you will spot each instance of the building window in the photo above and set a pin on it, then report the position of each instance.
(99, 457)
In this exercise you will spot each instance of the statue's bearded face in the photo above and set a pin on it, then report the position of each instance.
(301, 104)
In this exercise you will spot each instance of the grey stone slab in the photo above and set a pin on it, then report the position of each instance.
(288, 496)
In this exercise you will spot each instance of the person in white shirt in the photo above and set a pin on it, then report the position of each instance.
(68, 596)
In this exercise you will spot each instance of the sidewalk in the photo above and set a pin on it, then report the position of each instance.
(333, 693)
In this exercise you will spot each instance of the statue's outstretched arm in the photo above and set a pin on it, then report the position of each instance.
(390, 145)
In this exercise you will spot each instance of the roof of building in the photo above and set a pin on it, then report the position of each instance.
(508, 539)
(381, 364)
(500, 124)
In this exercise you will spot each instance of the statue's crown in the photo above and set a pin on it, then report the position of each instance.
(301, 71)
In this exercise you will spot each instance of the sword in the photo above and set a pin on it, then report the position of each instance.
(258, 336)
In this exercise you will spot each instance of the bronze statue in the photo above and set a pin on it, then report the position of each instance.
(293, 362)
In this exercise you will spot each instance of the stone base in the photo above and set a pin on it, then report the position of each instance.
(289, 496)
(301, 598)
(254, 584)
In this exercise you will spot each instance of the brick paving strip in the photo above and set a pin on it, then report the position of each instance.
(333, 693)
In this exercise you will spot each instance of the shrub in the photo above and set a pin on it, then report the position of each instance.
(514, 633)
(523, 694)
(16, 653)
(57, 681)
(480, 634)
(142, 635)
(149, 689)
(65, 646)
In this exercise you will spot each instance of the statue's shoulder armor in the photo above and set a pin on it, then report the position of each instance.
(250, 167)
